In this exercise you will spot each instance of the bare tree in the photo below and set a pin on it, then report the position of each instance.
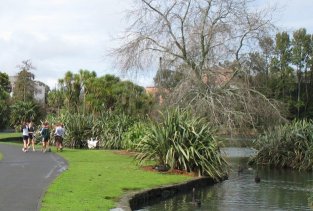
(197, 35)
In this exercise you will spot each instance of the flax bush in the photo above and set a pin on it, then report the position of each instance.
(286, 146)
(78, 129)
(134, 135)
(110, 127)
(183, 142)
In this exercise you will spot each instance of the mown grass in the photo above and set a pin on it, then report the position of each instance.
(10, 135)
(96, 179)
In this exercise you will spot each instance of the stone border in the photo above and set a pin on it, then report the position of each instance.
(136, 200)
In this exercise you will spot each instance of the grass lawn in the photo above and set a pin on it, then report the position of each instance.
(1, 156)
(96, 179)
(10, 135)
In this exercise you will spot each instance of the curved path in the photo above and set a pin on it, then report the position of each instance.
(24, 177)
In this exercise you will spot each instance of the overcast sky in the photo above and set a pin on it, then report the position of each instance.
(62, 35)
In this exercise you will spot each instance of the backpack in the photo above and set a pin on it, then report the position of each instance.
(45, 132)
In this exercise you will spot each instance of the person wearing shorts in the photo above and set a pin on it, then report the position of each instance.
(58, 136)
(45, 133)
(25, 136)
(31, 131)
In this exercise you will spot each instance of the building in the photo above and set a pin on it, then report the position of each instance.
(157, 93)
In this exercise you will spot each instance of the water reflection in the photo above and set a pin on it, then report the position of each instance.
(278, 190)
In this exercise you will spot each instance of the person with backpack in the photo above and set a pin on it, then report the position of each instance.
(45, 133)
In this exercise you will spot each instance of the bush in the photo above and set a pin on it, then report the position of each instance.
(183, 142)
(134, 135)
(110, 127)
(287, 146)
(78, 129)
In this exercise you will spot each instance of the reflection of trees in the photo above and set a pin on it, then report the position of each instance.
(278, 190)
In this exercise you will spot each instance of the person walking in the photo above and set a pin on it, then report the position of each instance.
(25, 136)
(31, 131)
(58, 136)
(45, 133)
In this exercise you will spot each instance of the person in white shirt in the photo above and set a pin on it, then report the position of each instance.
(58, 136)
(25, 136)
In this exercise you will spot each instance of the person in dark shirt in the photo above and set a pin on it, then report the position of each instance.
(45, 133)
(31, 131)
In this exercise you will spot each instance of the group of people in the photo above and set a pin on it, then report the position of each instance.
(28, 131)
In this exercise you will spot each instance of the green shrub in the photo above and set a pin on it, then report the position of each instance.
(286, 146)
(110, 127)
(183, 142)
(134, 135)
(78, 129)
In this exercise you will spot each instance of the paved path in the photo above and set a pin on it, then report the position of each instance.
(24, 177)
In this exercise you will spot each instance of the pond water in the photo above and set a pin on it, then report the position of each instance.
(278, 189)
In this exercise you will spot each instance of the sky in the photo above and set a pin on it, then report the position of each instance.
(62, 35)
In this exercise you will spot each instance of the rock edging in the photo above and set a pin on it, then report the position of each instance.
(136, 200)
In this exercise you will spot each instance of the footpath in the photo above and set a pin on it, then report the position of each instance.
(25, 176)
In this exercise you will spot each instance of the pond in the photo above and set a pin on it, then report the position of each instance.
(278, 189)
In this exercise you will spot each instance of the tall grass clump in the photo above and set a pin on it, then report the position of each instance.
(133, 136)
(286, 146)
(78, 129)
(183, 142)
(110, 127)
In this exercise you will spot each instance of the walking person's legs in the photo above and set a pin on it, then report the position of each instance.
(56, 140)
(44, 145)
(33, 144)
(61, 144)
(24, 145)
(48, 146)
(25, 142)
(28, 142)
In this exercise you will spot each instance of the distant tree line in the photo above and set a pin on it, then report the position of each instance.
(283, 70)
(82, 93)
(86, 93)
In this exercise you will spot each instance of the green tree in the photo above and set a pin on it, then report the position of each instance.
(310, 65)
(267, 45)
(5, 85)
(84, 76)
(110, 93)
(5, 88)
(72, 89)
(22, 111)
(258, 62)
(56, 100)
(85, 92)
(24, 87)
(301, 50)
(281, 63)
(131, 99)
